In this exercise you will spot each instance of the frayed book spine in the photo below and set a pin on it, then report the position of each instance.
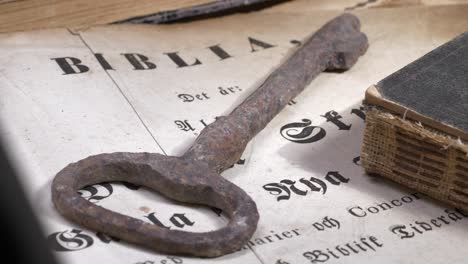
(419, 157)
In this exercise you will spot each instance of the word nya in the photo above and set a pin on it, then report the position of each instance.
(283, 189)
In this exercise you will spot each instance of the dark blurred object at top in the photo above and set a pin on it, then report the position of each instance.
(213, 9)
(76, 15)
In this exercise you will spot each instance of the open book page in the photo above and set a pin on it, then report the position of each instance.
(145, 88)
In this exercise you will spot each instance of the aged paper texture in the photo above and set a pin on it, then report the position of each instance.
(65, 96)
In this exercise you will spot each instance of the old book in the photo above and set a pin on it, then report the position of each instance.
(417, 125)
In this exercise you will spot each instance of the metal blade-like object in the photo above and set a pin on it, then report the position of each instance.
(195, 176)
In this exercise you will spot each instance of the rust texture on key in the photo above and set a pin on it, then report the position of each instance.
(195, 176)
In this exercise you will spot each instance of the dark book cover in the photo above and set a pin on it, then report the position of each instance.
(417, 125)
(432, 89)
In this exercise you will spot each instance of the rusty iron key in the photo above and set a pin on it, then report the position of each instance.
(195, 176)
